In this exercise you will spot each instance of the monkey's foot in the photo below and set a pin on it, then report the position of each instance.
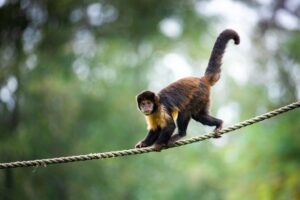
(217, 132)
(217, 135)
(219, 126)
(141, 144)
(158, 147)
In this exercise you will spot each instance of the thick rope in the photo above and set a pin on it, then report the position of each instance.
(112, 154)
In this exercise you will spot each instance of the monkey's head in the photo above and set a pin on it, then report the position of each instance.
(147, 102)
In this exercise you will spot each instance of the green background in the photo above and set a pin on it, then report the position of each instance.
(70, 71)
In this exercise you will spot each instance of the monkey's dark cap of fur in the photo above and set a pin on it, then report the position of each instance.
(145, 95)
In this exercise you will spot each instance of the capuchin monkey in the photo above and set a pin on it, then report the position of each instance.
(182, 100)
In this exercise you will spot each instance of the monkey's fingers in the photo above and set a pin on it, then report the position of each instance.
(171, 144)
(140, 144)
(175, 138)
(158, 147)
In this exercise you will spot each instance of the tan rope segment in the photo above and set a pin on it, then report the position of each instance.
(112, 154)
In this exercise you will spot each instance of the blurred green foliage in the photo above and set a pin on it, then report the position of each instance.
(69, 74)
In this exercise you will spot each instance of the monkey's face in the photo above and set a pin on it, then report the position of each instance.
(147, 102)
(146, 107)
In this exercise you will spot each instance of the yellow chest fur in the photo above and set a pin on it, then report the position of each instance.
(159, 119)
(174, 115)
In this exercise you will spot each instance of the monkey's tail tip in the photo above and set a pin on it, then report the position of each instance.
(232, 34)
(236, 40)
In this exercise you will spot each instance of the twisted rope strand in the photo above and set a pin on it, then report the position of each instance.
(112, 154)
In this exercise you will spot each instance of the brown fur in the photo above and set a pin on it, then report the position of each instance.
(213, 69)
(157, 119)
(190, 94)
(184, 99)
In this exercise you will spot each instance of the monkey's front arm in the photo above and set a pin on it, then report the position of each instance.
(159, 137)
(150, 138)
(164, 136)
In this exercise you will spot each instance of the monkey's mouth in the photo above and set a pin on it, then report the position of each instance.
(147, 112)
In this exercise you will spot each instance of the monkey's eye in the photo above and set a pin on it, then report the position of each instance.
(146, 103)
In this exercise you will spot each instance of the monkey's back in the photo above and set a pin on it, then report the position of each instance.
(186, 94)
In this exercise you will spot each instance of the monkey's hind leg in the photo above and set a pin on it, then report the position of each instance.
(206, 119)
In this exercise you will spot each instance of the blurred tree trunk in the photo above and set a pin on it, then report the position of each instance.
(13, 120)
(8, 185)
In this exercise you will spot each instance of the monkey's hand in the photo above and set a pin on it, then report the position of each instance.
(173, 140)
(158, 147)
(141, 144)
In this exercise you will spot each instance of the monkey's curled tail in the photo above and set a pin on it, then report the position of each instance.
(213, 70)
